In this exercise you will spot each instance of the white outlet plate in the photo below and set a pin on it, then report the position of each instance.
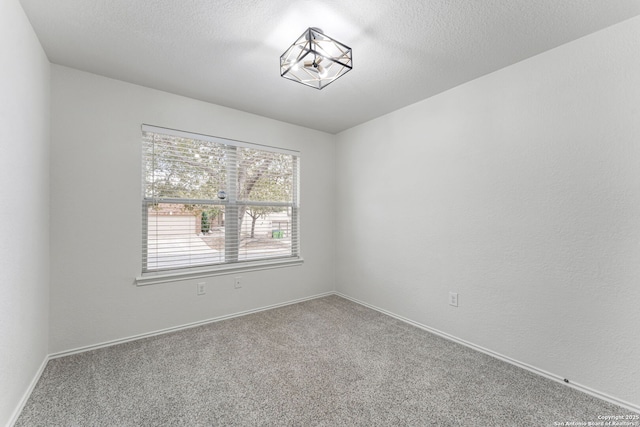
(237, 282)
(453, 299)
(202, 288)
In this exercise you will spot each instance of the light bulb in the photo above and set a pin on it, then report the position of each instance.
(322, 72)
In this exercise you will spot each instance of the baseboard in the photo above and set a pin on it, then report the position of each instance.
(181, 327)
(553, 377)
(549, 375)
(27, 393)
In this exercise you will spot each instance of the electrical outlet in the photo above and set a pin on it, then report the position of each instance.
(237, 282)
(453, 299)
(202, 288)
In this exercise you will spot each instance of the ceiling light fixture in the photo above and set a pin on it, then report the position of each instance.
(315, 59)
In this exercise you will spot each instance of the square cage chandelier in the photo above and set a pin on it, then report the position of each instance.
(315, 59)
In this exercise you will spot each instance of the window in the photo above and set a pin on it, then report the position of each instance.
(210, 201)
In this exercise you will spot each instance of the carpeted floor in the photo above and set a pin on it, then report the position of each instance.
(324, 362)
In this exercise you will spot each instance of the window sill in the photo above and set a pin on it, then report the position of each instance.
(174, 276)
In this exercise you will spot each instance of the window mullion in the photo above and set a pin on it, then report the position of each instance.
(295, 235)
(145, 235)
(231, 227)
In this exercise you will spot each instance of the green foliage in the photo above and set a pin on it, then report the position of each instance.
(184, 168)
(205, 225)
(208, 215)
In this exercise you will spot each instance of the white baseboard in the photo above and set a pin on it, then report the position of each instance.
(27, 393)
(557, 378)
(584, 389)
(181, 327)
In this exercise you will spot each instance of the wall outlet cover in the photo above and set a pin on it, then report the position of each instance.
(453, 299)
(202, 288)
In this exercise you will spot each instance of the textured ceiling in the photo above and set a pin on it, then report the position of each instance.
(227, 51)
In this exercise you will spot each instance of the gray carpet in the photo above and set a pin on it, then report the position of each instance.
(324, 362)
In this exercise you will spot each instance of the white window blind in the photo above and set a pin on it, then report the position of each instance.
(210, 201)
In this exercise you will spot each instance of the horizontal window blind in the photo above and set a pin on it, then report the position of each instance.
(211, 201)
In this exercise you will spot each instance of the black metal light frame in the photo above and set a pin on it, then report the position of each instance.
(315, 59)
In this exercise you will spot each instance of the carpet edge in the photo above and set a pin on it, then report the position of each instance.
(136, 337)
(585, 389)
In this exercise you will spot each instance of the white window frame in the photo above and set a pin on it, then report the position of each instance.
(231, 264)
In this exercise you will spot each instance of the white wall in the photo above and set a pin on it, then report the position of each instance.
(24, 216)
(520, 191)
(96, 213)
